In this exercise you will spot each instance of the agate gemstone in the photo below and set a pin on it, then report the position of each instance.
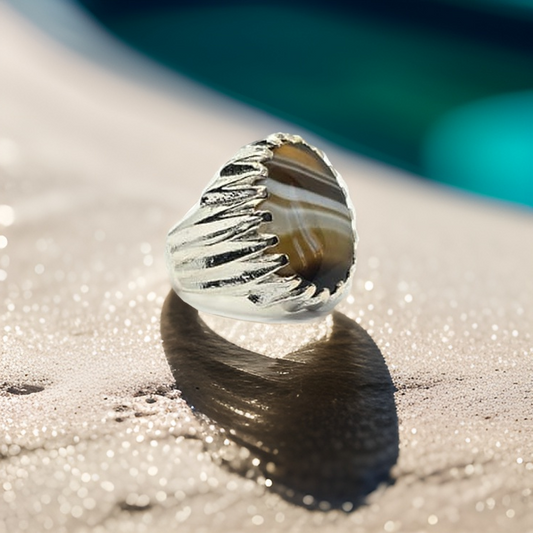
(310, 216)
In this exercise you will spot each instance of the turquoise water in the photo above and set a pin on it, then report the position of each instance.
(449, 104)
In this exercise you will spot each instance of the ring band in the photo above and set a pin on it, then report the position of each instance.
(272, 238)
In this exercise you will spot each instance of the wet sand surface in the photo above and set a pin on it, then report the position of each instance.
(96, 163)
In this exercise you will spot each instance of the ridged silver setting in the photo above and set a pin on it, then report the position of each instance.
(216, 253)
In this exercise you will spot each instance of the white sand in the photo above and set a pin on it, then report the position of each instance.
(94, 168)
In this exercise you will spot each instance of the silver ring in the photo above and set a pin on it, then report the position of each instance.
(272, 238)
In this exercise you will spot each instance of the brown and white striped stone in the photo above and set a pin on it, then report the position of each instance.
(310, 216)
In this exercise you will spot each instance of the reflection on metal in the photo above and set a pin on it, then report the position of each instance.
(319, 427)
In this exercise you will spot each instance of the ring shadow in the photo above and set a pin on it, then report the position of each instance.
(322, 422)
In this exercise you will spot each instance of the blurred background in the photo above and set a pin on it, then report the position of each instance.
(440, 88)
